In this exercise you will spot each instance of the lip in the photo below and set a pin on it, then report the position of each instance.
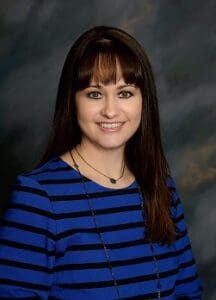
(110, 126)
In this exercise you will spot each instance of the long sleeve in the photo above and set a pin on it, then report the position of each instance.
(27, 243)
(188, 283)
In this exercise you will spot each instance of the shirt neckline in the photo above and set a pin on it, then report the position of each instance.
(131, 185)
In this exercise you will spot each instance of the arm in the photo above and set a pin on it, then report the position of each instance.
(27, 248)
(188, 285)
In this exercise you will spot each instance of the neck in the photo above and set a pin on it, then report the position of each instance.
(109, 161)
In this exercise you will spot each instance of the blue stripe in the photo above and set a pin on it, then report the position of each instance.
(49, 245)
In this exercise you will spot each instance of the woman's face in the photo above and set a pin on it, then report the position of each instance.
(108, 115)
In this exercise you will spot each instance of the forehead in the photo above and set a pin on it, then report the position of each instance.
(118, 85)
(107, 68)
(104, 70)
(97, 80)
(98, 77)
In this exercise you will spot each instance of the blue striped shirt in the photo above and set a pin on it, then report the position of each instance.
(50, 248)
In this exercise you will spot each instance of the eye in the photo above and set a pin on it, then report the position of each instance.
(125, 94)
(94, 95)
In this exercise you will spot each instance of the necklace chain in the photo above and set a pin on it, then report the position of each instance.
(151, 247)
(111, 179)
(106, 250)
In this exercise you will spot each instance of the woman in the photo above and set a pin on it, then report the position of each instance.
(100, 217)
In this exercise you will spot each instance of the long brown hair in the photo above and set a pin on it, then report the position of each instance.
(95, 54)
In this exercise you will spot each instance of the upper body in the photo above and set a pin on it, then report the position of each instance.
(100, 217)
(50, 248)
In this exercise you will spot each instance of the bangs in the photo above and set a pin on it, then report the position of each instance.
(106, 61)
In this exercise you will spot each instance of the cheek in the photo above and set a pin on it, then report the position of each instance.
(136, 112)
(85, 114)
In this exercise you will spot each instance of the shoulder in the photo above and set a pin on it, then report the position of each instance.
(35, 189)
(50, 170)
(48, 179)
(29, 181)
(50, 166)
(27, 189)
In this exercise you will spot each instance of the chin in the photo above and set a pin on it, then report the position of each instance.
(111, 146)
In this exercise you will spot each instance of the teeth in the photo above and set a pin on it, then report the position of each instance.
(111, 125)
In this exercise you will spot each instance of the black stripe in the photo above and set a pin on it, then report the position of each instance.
(175, 203)
(31, 209)
(23, 284)
(61, 181)
(179, 218)
(84, 247)
(94, 195)
(30, 190)
(22, 265)
(119, 263)
(101, 265)
(171, 188)
(187, 264)
(120, 245)
(181, 234)
(49, 170)
(187, 280)
(102, 229)
(71, 231)
(29, 228)
(79, 214)
(98, 212)
(184, 249)
(27, 247)
(23, 298)
(101, 284)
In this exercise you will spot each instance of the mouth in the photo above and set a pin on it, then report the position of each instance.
(112, 126)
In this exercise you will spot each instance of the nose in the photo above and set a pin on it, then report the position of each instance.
(110, 107)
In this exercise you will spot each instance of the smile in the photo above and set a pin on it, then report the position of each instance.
(112, 125)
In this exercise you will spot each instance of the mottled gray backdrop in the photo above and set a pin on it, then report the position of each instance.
(180, 39)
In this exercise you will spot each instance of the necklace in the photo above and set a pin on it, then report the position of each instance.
(106, 250)
(111, 179)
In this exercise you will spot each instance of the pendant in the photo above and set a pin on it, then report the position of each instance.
(112, 180)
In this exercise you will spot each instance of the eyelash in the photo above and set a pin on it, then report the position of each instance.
(89, 95)
(127, 92)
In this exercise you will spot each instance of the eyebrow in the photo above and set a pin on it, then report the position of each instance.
(119, 87)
